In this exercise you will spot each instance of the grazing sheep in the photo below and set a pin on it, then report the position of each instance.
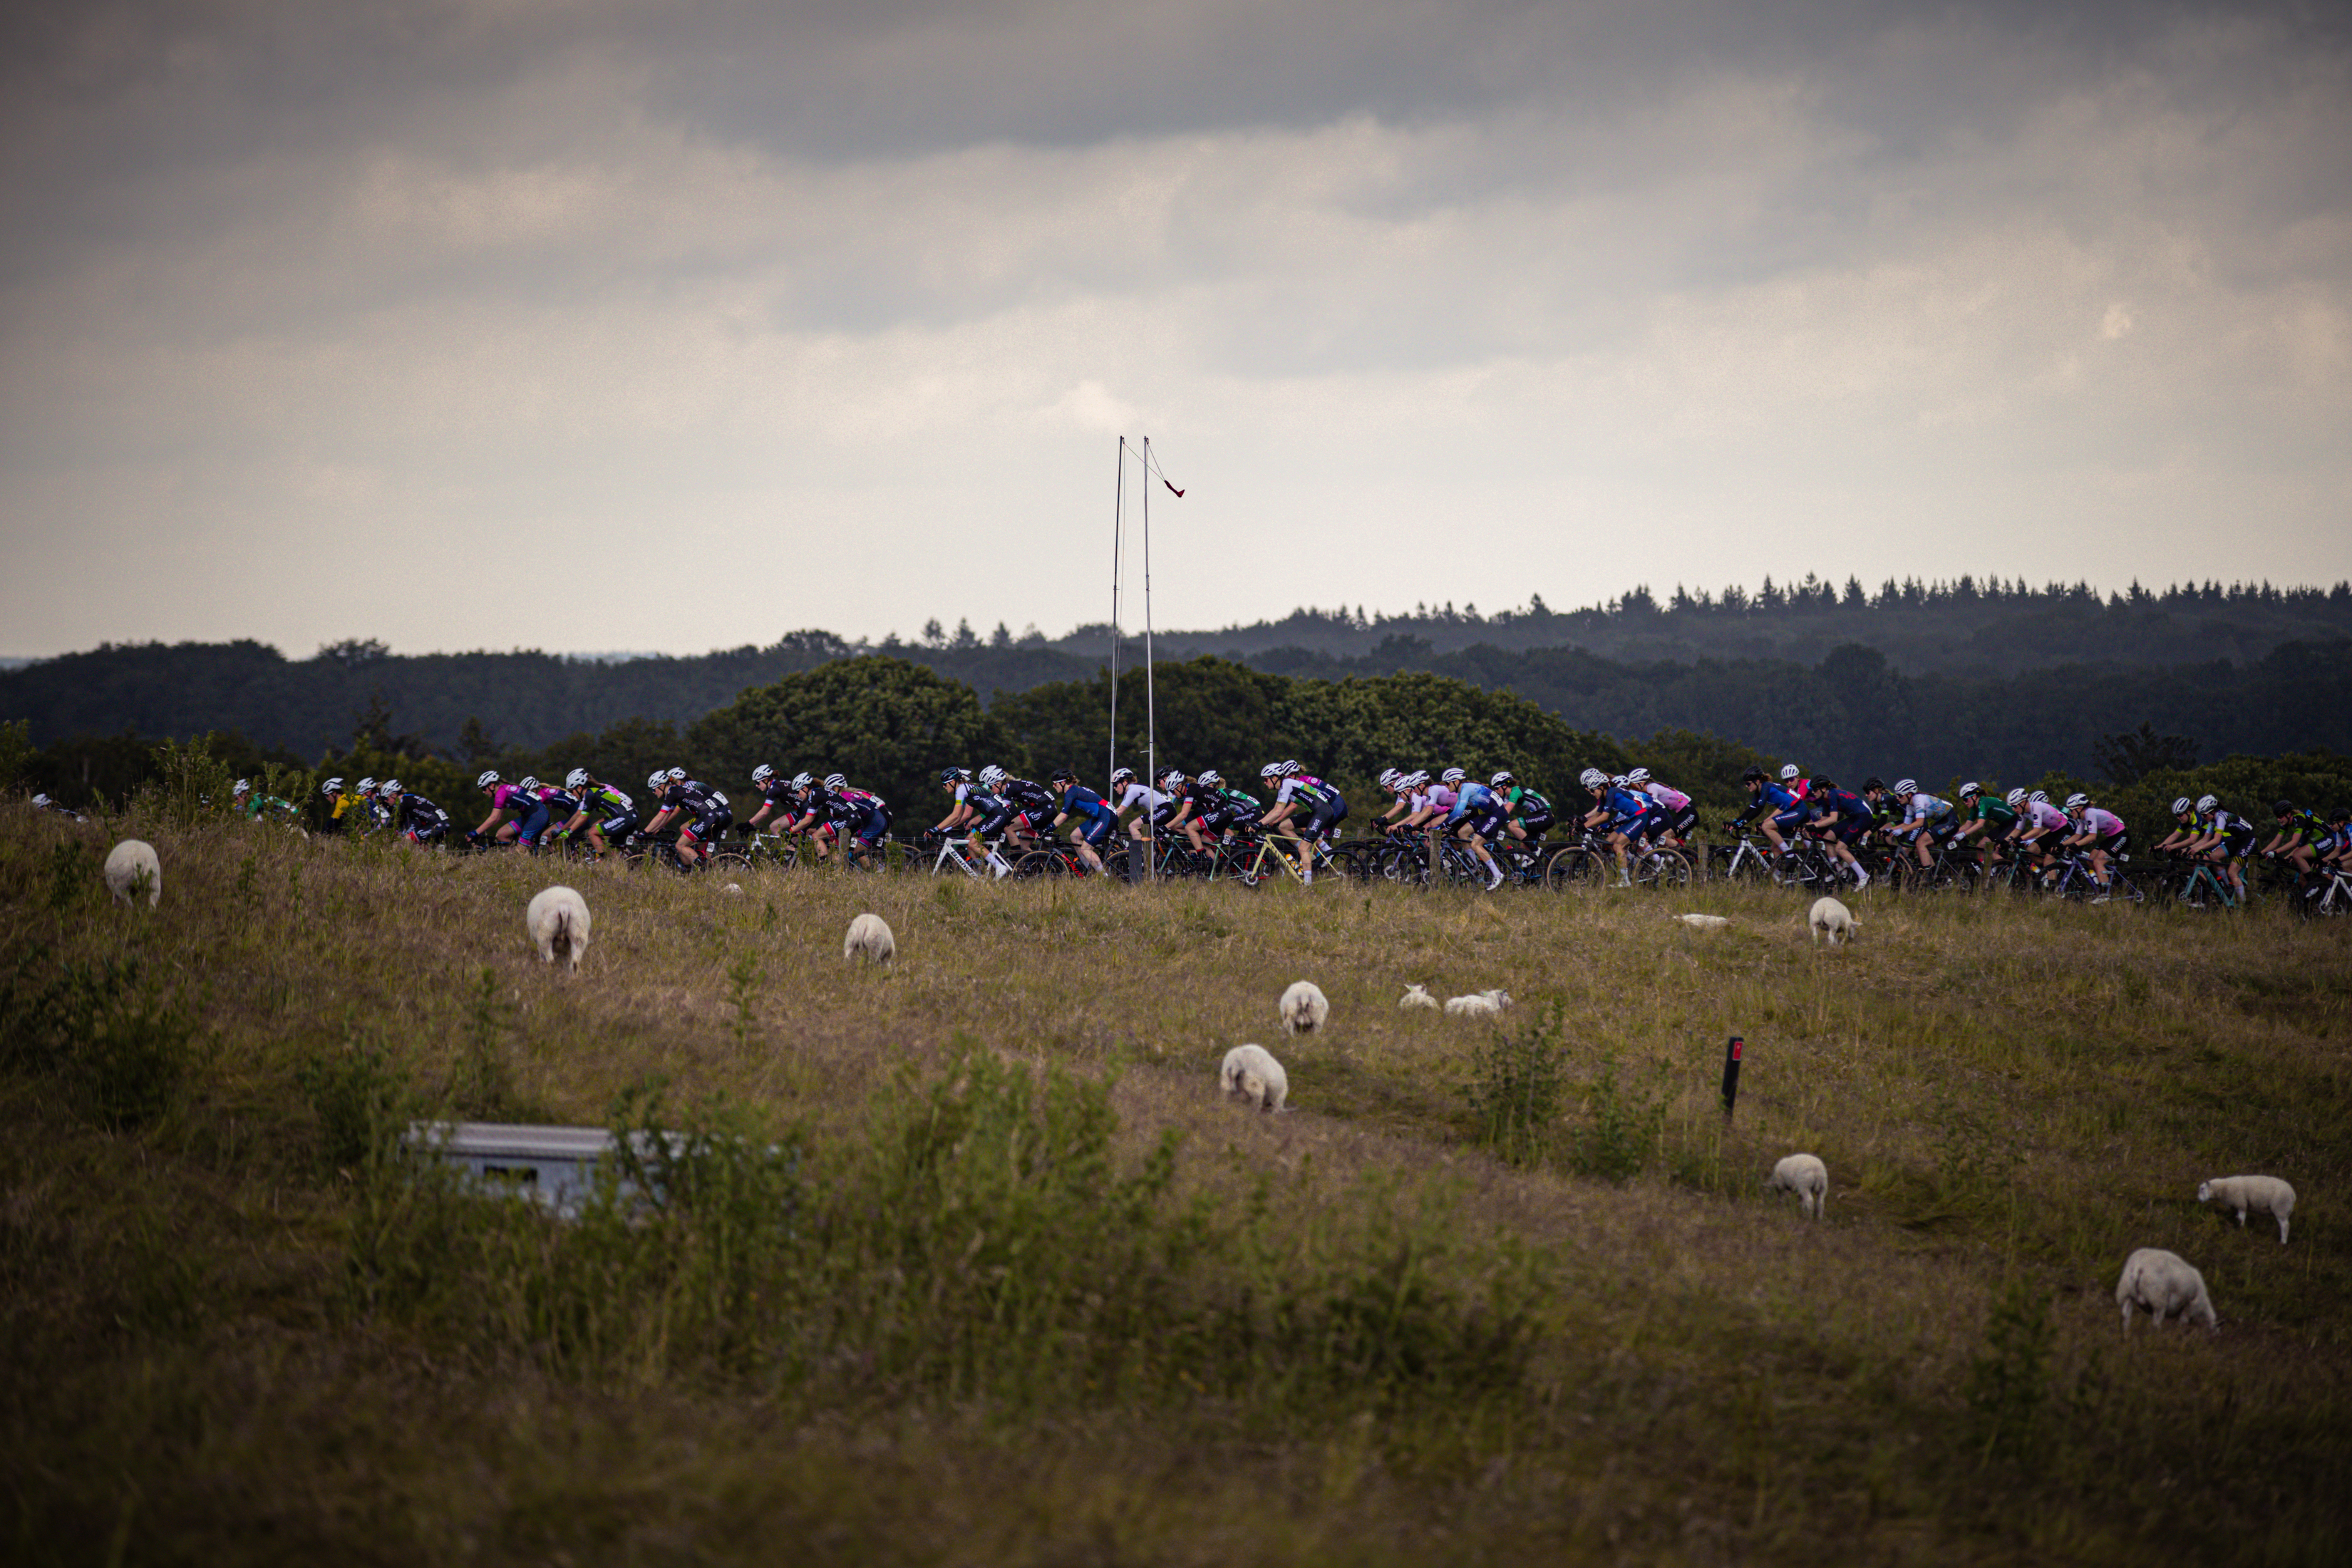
(1302, 1008)
(1418, 996)
(2263, 1194)
(1478, 1005)
(733, 890)
(2165, 1283)
(558, 921)
(1251, 1073)
(1701, 923)
(1835, 919)
(870, 939)
(126, 864)
(1805, 1175)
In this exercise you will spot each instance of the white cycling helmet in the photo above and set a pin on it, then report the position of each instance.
(1592, 778)
(1503, 780)
(1906, 786)
(991, 775)
(835, 782)
(1969, 788)
(1271, 772)
(762, 773)
(489, 776)
(528, 784)
(243, 786)
(1452, 776)
(657, 781)
(802, 781)
(365, 787)
(676, 775)
(2208, 802)
(1291, 767)
(1617, 782)
(1638, 776)
(332, 788)
(2180, 807)
(577, 779)
(2040, 797)
(389, 786)
(1390, 778)
(2076, 801)
(1791, 772)
(1121, 775)
(1172, 778)
(41, 800)
(2015, 798)
(1210, 777)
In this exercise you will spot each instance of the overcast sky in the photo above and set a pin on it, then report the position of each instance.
(594, 325)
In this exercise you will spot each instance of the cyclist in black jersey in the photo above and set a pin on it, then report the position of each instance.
(1030, 805)
(981, 813)
(779, 802)
(701, 812)
(2301, 837)
(417, 819)
(1218, 811)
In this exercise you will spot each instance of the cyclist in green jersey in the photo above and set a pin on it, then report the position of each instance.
(2300, 837)
(1988, 819)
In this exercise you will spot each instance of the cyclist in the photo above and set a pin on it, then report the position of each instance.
(43, 802)
(864, 819)
(1093, 818)
(779, 801)
(977, 811)
(2042, 826)
(1300, 797)
(2227, 839)
(418, 820)
(1477, 818)
(1033, 806)
(1990, 818)
(338, 802)
(1531, 813)
(2101, 832)
(1627, 815)
(1149, 806)
(605, 812)
(2338, 852)
(1220, 811)
(1778, 810)
(1678, 817)
(516, 811)
(1393, 784)
(254, 805)
(1176, 808)
(1842, 819)
(1793, 780)
(701, 812)
(2301, 837)
(821, 812)
(1925, 820)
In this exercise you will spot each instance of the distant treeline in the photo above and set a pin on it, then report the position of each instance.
(891, 725)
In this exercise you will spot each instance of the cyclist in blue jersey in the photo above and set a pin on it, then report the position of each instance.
(1676, 816)
(417, 819)
(1478, 817)
(1777, 811)
(1089, 815)
(1927, 820)
(1625, 811)
(1844, 818)
(601, 811)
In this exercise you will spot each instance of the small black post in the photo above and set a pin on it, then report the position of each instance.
(1731, 1075)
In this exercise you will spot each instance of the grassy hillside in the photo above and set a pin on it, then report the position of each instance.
(970, 1264)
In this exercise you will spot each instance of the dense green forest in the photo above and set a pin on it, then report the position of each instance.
(2217, 667)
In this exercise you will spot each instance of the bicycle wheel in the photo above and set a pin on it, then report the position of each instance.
(1574, 870)
(1041, 863)
(730, 862)
(1403, 865)
(1662, 868)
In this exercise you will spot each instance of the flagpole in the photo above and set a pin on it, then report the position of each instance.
(1151, 717)
(1119, 497)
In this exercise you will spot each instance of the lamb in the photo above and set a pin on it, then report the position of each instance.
(127, 864)
(1418, 996)
(1251, 1073)
(1478, 1005)
(558, 921)
(1835, 919)
(1701, 923)
(870, 939)
(1302, 1008)
(2263, 1194)
(1805, 1175)
(2165, 1283)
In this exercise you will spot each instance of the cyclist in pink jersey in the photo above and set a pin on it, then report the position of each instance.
(1680, 816)
(2042, 826)
(2101, 832)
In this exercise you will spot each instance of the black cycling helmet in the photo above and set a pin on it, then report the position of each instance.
(1753, 776)
(1063, 775)
(1823, 786)
(2280, 807)
(953, 776)
(1873, 781)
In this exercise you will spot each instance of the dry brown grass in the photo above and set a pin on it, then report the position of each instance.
(2002, 1091)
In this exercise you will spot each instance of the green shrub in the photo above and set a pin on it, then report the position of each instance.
(361, 1102)
(1627, 1120)
(2008, 1382)
(1518, 1088)
(120, 1047)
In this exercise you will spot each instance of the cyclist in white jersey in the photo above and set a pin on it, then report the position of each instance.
(1923, 817)
(1148, 804)
(2101, 832)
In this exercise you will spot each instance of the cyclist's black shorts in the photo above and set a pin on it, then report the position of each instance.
(1326, 819)
(709, 825)
(1487, 824)
(1684, 821)
(1533, 825)
(994, 823)
(620, 825)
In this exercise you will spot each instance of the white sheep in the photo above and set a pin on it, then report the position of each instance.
(558, 921)
(870, 939)
(733, 890)
(2263, 1194)
(127, 864)
(1251, 1073)
(1478, 1005)
(1833, 917)
(1302, 1009)
(2164, 1283)
(1701, 923)
(1805, 1175)
(1418, 996)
